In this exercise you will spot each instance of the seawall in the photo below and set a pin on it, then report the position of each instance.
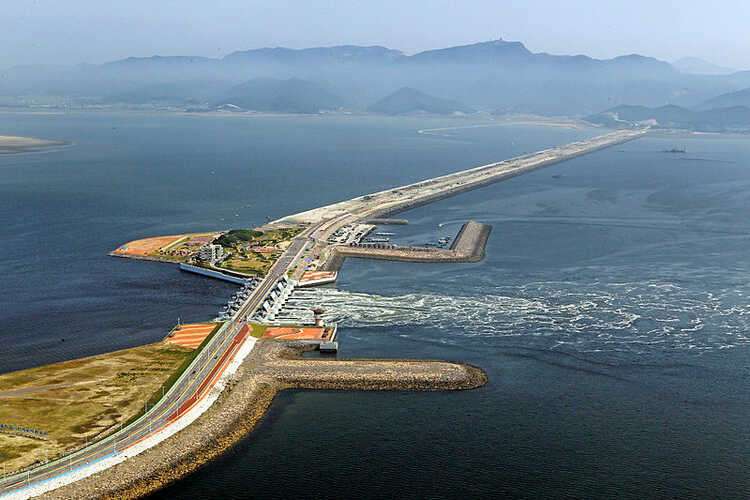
(212, 274)
(270, 367)
(471, 240)
(387, 222)
(437, 188)
(426, 200)
(468, 246)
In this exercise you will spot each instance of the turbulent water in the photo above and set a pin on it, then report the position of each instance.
(611, 311)
(588, 317)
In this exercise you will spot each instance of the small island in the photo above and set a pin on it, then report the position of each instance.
(11, 144)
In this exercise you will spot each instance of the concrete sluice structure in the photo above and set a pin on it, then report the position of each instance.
(297, 309)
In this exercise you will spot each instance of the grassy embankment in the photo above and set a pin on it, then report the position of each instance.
(85, 399)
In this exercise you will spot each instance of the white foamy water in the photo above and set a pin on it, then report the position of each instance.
(594, 317)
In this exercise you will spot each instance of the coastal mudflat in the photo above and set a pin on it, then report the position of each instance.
(269, 368)
(10, 144)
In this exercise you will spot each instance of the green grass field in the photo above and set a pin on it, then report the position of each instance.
(81, 400)
(258, 330)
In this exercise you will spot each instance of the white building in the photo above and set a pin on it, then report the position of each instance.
(210, 253)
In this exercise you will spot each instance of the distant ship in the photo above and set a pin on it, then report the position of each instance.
(674, 150)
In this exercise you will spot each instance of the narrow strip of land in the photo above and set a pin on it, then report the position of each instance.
(402, 198)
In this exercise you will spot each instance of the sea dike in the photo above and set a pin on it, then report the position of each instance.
(270, 367)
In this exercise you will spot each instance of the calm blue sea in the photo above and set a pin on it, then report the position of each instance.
(611, 312)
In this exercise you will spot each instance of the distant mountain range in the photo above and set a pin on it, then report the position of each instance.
(728, 119)
(494, 77)
(738, 98)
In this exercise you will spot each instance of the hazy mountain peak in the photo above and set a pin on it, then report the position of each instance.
(481, 52)
(697, 66)
(410, 100)
(737, 98)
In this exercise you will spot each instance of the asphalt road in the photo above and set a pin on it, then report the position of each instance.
(196, 381)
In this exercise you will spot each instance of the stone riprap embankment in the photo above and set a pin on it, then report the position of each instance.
(387, 222)
(467, 247)
(270, 367)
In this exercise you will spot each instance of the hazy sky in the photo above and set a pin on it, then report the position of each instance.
(72, 31)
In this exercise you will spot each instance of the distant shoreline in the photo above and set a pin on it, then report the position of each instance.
(510, 118)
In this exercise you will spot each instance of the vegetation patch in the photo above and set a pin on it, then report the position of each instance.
(257, 330)
(82, 400)
(175, 374)
(253, 252)
(237, 236)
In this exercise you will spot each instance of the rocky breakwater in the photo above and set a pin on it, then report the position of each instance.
(471, 241)
(270, 367)
(375, 374)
